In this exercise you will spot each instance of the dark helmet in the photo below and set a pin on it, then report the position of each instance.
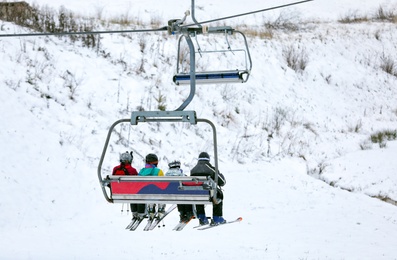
(126, 157)
(175, 164)
(152, 158)
(204, 156)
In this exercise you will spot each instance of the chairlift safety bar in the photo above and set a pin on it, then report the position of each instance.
(212, 77)
(163, 116)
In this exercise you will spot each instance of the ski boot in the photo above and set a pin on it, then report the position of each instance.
(152, 211)
(217, 220)
(161, 211)
(202, 219)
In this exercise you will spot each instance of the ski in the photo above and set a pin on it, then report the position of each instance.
(204, 225)
(131, 223)
(149, 223)
(239, 219)
(158, 219)
(181, 225)
(201, 226)
(136, 224)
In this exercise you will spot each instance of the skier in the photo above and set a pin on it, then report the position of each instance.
(204, 168)
(125, 168)
(151, 169)
(185, 210)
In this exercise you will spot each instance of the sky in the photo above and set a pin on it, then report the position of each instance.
(305, 193)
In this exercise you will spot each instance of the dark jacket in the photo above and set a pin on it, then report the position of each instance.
(204, 168)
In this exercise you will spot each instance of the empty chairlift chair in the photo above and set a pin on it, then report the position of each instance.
(235, 75)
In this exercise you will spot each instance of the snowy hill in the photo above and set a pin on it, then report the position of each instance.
(59, 99)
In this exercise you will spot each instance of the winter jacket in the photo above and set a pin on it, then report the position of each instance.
(174, 172)
(204, 168)
(151, 170)
(124, 169)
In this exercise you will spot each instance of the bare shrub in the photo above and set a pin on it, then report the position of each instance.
(384, 14)
(285, 21)
(16, 12)
(161, 99)
(71, 82)
(366, 145)
(260, 33)
(142, 43)
(327, 78)
(355, 128)
(296, 58)
(381, 137)
(388, 65)
(279, 118)
(381, 14)
(155, 21)
(123, 19)
(184, 58)
(318, 170)
(46, 19)
(353, 17)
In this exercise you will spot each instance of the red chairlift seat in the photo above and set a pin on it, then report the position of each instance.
(160, 189)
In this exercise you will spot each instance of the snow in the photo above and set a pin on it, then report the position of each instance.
(306, 193)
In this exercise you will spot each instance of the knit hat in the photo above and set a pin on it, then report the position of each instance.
(152, 158)
(203, 156)
(126, 157)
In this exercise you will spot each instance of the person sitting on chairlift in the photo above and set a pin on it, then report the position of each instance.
(151, 169)
(185, 210)
(125, 168)
(204, 168)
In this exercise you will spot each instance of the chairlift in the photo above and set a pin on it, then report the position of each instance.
(235, 75)
(159, 189)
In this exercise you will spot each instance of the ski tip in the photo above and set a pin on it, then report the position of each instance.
(240, 219)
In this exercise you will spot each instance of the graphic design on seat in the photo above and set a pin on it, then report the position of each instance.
(151, 188)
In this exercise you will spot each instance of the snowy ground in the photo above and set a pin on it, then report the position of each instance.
(51, 138)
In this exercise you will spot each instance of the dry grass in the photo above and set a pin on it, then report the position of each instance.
(381, 14)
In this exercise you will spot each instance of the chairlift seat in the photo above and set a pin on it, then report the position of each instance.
(167, 190)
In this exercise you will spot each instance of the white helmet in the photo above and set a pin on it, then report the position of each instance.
(174, 164)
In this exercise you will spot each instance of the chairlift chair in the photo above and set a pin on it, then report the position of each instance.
(236, 75)
(159, 189)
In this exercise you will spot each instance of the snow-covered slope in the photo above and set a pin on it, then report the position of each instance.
(58, 100)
